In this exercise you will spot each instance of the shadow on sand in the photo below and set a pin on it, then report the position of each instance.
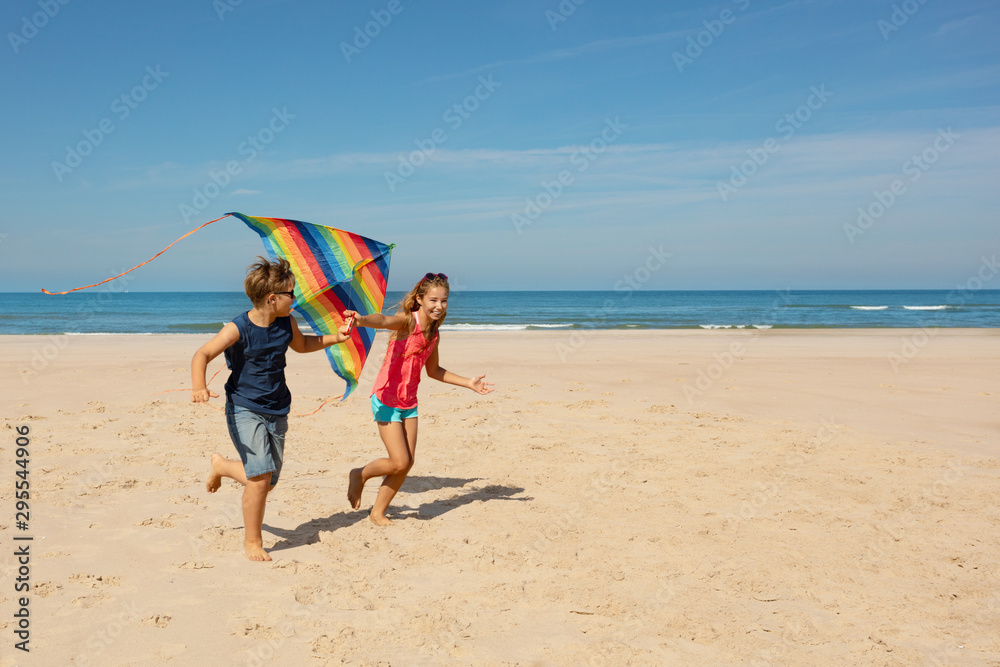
(438, 507)
(418, 484)
(308, 532)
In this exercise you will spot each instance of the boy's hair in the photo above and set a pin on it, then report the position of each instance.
(266, 277)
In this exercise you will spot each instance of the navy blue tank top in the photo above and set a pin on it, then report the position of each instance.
(257, 361)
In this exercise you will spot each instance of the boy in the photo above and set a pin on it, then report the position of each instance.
(257, 399)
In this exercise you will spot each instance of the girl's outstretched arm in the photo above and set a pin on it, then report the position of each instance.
(376, 320)
(434, 370)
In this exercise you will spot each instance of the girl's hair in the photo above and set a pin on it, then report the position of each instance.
(409, 305)
(266, 277)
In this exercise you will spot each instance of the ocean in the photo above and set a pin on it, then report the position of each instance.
(205, 312)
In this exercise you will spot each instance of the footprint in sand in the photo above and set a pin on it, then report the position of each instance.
(307, 596)
(222, 540)
(166, 521)
(295, 567)
(95, 580)
(327, 645)
(145, 407)
(256, 630)
(186, 498)
(581, 405)
(90, 601)
(195, 565)
(45, 588)
(120, 485)
(159, 620)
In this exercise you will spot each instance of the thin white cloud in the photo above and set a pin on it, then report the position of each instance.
(849, 149)
(604, 45)
(811, 175)
(958, 24)
(941, 81)
(596, 46)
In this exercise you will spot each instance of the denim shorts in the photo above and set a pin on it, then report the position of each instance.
(383, 413)
(259, 439)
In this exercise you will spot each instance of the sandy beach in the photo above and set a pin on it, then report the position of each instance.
(823, 497)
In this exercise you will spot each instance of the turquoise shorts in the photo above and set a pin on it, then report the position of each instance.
(383, 413)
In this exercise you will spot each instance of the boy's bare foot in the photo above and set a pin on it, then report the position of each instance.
(255, 552)
(214, 480)
(354, 488)
(379, 520)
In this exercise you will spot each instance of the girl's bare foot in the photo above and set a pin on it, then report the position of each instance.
(354, 488)
(255, 552)
(379, 520)
(214, 480)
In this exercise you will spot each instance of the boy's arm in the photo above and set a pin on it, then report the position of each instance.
(199, 362)
(434, 370)
(302, 343)
(376, 320)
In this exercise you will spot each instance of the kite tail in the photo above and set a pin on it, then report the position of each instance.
(75, 289)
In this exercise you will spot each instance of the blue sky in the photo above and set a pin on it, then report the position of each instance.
(512, 145)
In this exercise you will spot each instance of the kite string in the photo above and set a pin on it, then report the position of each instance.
(167, 391)
(297, 414)
(75, 289)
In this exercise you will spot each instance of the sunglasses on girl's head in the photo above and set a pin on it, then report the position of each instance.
(432, 276)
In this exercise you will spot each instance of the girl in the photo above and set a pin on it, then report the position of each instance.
(412, 345)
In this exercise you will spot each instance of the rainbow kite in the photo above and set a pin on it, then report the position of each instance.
(334, 271)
